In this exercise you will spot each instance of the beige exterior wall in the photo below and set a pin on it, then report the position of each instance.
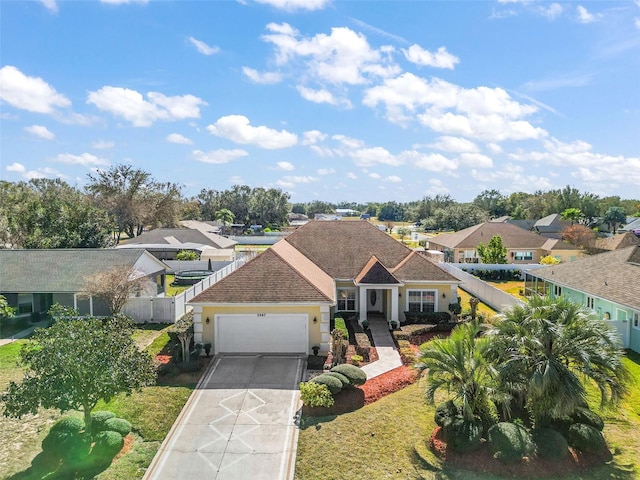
(445, 294)
(566, 256)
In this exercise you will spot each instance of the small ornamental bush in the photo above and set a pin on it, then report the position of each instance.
(446, 413)
(68, 424)
(315, 394)
(356, 359)
(333, 384)
(550, 444)
(356, 375)
(462, 435)
(66, 445)
(108, 443)
(120, 425)
(586, 416)
(586, 438)
(510, 442)
(344, 380)
(363, 345)
(341, 326)
(98, 418)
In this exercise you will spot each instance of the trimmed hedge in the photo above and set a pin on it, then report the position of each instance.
(98, 418)
(120, 425)
(68, 424)
(340, 325)
(510, 442)
(406, 332)
(315, 394)
(462, 435)
(363, 345)
(333, 384)
(407, 354)
(356, 375)
(446, 413)
(433, 318)
(344, 380)
(70, 447)
(108, 444)
(550, 443)
(586, 416)
(586, 438)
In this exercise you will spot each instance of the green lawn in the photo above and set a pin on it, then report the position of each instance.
(512, 287)
(172, 291)
(388, 439)
(151, 412)
(483, 308)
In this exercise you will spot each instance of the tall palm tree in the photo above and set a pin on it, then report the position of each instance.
(547, 348)
(226, 216)
(458, 364)
(571, 214)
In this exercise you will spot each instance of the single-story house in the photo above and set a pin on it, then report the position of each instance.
(614, 242)
(608, 283)
(522, 246)
(551, 226)
(282, 300)
(33, 280)
(165, 243)
(632, 225)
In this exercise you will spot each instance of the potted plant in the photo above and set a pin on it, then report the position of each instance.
(365, 324)
(207, 348)
(315, 349)
(393, 325)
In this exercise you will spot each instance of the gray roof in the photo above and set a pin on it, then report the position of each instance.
(613, 276)
(181, 235)
(65, 270)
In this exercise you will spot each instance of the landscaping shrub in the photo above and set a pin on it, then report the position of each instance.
(586, 416)
(66, 445)
(462, 435)
(120, 425)
(333, 384)
(510, 442)
(411, 330)
(344, 380)
(98, 418)
(550, 444)
(433, 318)
(407, 354)
(315, 394)
(586, 438)
(363, 345)
(446, 413)
(340, 325)
(356, 375)
(108, 444)
(68, 424)
(356, 359)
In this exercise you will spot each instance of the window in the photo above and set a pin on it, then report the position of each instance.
(557, 291)
(25, 303)
(636, 320)
(421, 300)
(524, 256)
(590, 303)
(346, 299)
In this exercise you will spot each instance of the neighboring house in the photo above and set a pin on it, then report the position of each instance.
(551, 226)
(282, 300)
(165, 243)
(633, 226)
(615, 242)
(33, 280)
(522, 246)
(607, 283)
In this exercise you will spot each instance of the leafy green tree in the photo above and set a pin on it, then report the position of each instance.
(209, 203)
(614, 217)
(75, 363)
(493, 252)
(187, 255)
(571, 214)
(5, 311)
(268, 207)
(390, 211)
(546, 348)
(319, 207)
(492, 202)
(225, 216)
(457, 216)
(237, 201)
(403, 232)
(568, 197)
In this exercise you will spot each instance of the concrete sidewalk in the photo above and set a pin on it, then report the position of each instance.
(22, 334)
(388, 356)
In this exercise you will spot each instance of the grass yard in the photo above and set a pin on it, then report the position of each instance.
(389, 439)
(172, 291)
(151, 412)
(483, 308)
(512, 287)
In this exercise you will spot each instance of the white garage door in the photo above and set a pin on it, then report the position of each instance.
(266, 333)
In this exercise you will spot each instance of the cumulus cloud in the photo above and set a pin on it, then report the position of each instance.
(286, 166)
(553, 11)
(133, 107)
(375, 176)
(311, 137)
(16, 167)
(262, 77)
(326, 171)
(393, 179)
(514, 176)
(352, 176)
(292, 5)
(202, 47)
(290, 181)
(219, 156)
(40, 131)
(584, 16)
(367, 157)
(434, 162)
(321, 96)
(85, 159)
(102, 144)
(177, 138)
(454, 144)
(476, 160)
(45, 172)
(50, 5)
(440, 59)
(238, 129)
(29, 93)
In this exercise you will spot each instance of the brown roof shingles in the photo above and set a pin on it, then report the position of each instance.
(512, 236)
(375, 273)
(417, 267)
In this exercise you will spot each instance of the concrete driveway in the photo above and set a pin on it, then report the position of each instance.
(238, 424)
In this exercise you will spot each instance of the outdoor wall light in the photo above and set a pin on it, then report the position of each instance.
(444, 295)
(207, 321)
(315, 320)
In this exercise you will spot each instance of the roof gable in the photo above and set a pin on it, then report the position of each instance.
(375, 273)
(174, 236)
(416, 267)
(512, 236)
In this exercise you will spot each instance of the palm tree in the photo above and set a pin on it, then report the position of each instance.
(544, 351)
(225, 216)
(571, 214)
(458, 364)
(615, 216)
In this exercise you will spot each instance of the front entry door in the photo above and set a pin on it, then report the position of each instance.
(374, 301)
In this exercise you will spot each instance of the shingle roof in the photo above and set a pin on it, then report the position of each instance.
(611, 275)
(342, 248)
(59, 270)
(616, 242)
(512, 236)
(375, 273)
(181, 235)
(417, 267)
(268, 278)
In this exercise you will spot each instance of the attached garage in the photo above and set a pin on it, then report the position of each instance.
(262, 333)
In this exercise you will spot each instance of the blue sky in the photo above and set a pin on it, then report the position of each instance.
(331, 100)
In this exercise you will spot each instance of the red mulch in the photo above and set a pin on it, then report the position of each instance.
(128, 443)
(164, 359)
(351, 399)
(481, 460)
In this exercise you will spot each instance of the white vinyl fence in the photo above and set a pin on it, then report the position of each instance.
(495, 298)
(170, 309)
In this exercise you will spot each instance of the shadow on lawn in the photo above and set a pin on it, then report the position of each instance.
(43, 468)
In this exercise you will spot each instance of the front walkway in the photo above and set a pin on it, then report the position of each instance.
(388, 356)
(23, 333)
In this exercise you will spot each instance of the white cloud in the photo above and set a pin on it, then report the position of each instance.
(264, 77)
(238, 129)
(560, 81)
(16, 167)
(436, 186)
(394, 179)
(42, 173)
(50, 5)
(514, 176)
(476, 160)
(367, 157)
(321, 96)
(177, 138)
(219, 156)
(40, 131)
(312, 137)
(86, 159)
(29, 93)
(103, 145)
(352, 176)
(236, 180)
(202, 47)
(637, 22)
(441, 59)
(375, 175)
(584, 16)
(290, 181)
(454, 144)
(132, 106)
(553, 11)
(434, 162)
(326, 171)
(292, 5)
(286, 166)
